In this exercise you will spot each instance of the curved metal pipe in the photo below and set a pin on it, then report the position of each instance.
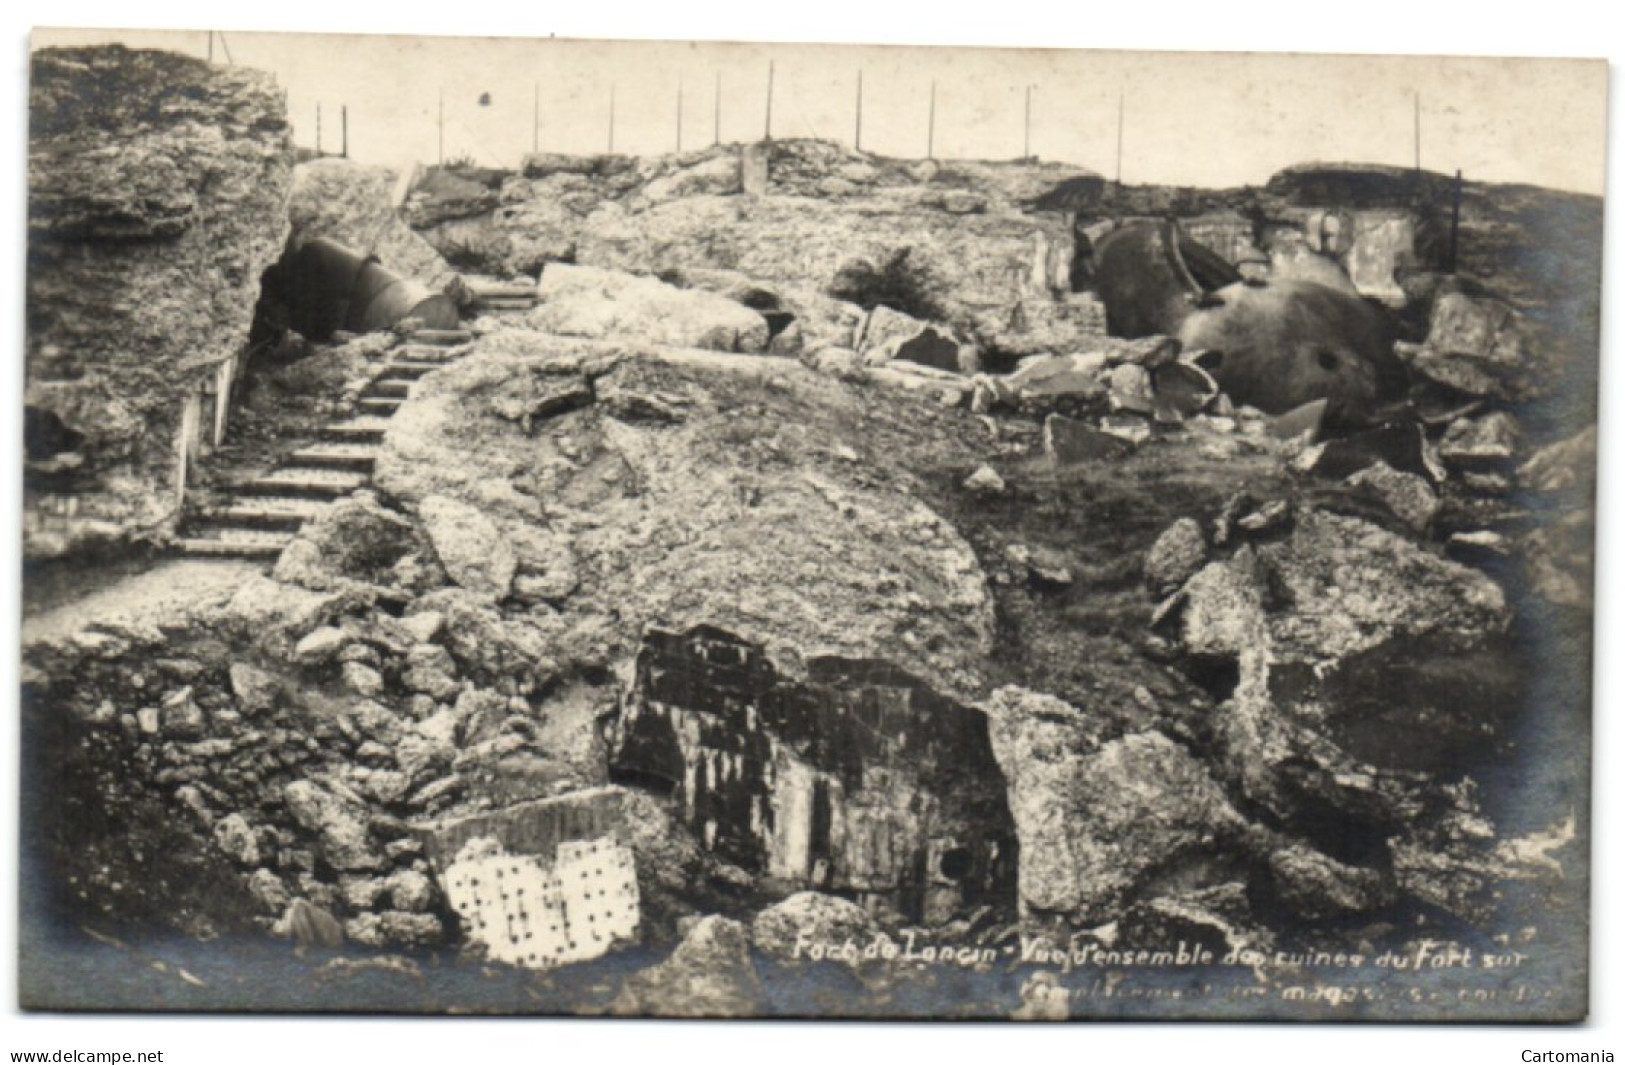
(328, 287)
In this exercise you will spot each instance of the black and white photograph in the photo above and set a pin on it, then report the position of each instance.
(526, 526)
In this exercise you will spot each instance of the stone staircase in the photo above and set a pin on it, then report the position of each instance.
(262, 514)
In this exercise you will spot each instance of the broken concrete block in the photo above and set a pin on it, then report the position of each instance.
(340, 824)
(424, 625)
(1175, 556)
(182, 716)
(1480, 328)
(888, 335)
(362, 679)
(1181, 390)
(320, 646)
(235, 836)
(1382, 242)
(255, 689)
(1130, 388)
(810, 926)
(1096, 824)
(1068, 442)
(1131, 427)
(984, 479)
(534, 828)
(1408, 497)
(1399, 445)
(586, 301)
(474, 551)
(1478, 443)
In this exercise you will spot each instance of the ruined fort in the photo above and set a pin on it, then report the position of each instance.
(615, 574)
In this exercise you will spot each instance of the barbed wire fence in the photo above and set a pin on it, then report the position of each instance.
(459, 139)
(628, 124)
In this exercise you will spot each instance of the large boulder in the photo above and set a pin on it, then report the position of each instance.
(588, 302)
(158, 187)
(469, 545)
(811, 926)
(1485, 347)
(1346, 586)
(441, 194)
(1098, 818)
(700, 488)
(338, 822)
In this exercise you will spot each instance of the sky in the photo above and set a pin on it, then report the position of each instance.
(1191, 119)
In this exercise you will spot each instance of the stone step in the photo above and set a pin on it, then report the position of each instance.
(274, 511)
(442, 337)
(389, 388)
(376, 405)
(342, 455)
(505, 303)
(427, 353)
(499, 289)
(357, 429)
(233, 546)
(304, 481)
(410, 368)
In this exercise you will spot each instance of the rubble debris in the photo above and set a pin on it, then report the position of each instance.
(339, 822)
(886, 335)
(758, 600)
